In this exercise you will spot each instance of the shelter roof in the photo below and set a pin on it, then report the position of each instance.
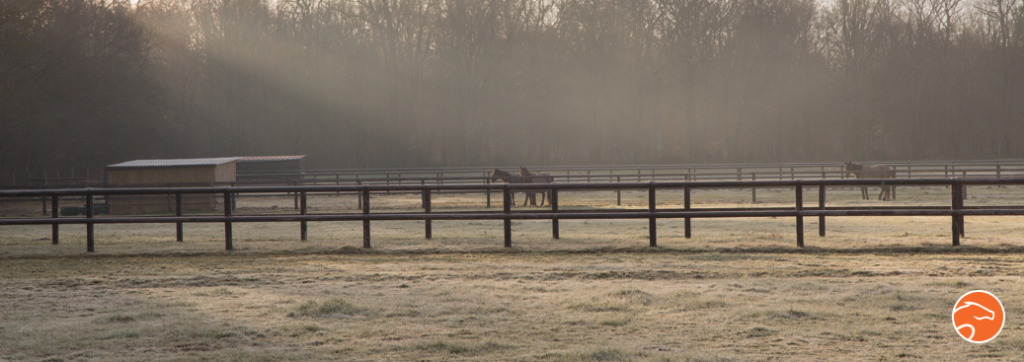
(270, 158)
(175, 162)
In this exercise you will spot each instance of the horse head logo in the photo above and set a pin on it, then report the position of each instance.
(978, 316)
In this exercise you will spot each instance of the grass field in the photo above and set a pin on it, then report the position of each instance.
(873, 289)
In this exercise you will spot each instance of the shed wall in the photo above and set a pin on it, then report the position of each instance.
(225, 172)
(182, 176)
(292, 166)
(161, 176)
(270, 166)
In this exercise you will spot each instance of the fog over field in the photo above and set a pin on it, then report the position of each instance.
(485, 83)
(382, 83)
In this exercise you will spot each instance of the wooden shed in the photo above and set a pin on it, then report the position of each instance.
(195, 172)
(270, 169)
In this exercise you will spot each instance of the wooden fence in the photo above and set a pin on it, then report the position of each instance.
(956, 210)
(640, 173)
(1008, 168)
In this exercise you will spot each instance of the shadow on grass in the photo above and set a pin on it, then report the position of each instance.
(1002, 249)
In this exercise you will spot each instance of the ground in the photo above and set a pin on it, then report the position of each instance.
(873, 289)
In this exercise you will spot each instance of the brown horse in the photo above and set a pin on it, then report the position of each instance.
(509, 179)
(537, 178)
(873, 172)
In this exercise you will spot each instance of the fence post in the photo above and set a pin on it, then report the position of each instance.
(588, 176)
(507, 206)
(90, 242)
(227, 224)
(366, 222)
(963, 192)
(554, 210)
(426, 207)
(177, 212)
(799, 219)
(297, 195)
(739, 174)
(960, 206)
(423, 194)
(954, 193)
(821, 207)
(302, 225)
(488, 193)
(387, 181)
(618, 192)
(56, 228)
(753, 190)
(651, 205)
(686, 206)
(359, 194)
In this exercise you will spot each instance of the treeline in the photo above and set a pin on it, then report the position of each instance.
(384, 83)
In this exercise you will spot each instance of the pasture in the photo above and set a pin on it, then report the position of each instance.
(876, 288)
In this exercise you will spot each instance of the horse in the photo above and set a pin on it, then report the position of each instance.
(873, 172)
(537, 178)
(509, 179)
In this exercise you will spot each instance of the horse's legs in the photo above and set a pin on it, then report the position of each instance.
(544, 197)
(531, 199)
(886, 193)
(864, 193)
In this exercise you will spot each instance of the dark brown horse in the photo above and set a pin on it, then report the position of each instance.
(873, 172)
(537, 178)
(509, 179)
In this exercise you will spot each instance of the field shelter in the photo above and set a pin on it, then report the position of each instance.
(273, 170)
(193, 172)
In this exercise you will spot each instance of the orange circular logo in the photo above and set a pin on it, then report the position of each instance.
(978, 316)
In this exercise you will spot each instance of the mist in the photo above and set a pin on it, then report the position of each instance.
(395, 83)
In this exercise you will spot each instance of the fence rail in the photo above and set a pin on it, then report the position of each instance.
(956, 210)
(638, 173)
(657, 172)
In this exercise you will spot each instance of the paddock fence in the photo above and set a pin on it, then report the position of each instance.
(637, 173)
(956, 209)
(440, 176)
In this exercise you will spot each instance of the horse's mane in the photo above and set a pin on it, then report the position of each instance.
(505, 176)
